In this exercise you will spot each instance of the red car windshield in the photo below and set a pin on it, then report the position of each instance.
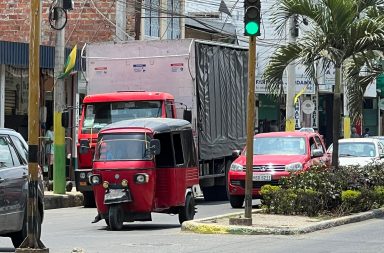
(98, 115)
(279, 146)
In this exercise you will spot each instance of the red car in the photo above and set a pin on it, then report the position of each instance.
(275, 155)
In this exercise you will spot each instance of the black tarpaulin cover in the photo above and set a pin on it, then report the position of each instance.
(221, 82)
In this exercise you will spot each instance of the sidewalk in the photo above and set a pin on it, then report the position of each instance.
(273, 224)
(69, 199)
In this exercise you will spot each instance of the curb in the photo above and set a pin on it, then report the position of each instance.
(70, 199)
(202, 226)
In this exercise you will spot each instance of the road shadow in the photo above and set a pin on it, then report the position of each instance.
(143, 227)
(209, 203)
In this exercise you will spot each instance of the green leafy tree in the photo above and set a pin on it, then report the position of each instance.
(342, 32)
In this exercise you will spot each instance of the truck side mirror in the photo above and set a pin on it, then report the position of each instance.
(187, 115)
(154, 146)
(84, 146)
(65, 119)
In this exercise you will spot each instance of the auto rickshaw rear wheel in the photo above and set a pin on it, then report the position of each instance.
(187, 212)
(115, 217)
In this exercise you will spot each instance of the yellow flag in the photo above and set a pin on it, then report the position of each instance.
(298, 95)
(70, 63)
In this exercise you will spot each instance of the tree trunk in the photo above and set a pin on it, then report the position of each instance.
(336, 117)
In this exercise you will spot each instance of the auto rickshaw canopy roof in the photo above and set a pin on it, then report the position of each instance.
(155, 125)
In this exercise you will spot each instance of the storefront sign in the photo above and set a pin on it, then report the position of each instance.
(314, 118)
(261, 87)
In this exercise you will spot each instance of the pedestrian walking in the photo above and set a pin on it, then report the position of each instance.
(366, 132)
(49, 151)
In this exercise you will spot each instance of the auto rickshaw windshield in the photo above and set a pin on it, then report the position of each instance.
(123, 147)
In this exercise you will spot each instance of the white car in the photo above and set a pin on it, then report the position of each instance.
(359, 151)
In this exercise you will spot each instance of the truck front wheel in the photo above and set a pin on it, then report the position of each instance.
(89, 200)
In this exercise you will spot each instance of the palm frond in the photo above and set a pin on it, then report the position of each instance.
(280, 59)
(315, 13)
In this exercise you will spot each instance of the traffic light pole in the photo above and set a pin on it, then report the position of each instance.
(32, 242)
(250, 128)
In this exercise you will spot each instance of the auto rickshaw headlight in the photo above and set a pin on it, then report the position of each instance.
(105, 184)
(141, 178)
(95, 179)
(124, 183)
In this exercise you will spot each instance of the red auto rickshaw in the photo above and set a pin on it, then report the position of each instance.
(143, 166)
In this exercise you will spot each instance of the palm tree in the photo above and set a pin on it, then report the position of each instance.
(342, 31)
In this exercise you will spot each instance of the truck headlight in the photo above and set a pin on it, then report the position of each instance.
(236, 167)
(294, 167)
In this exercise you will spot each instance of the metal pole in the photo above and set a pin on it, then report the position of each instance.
(32, 243)
(378, 114)
(290, 107)
(121, 20)
(2, 94)
(347, 119)
(250, 128)
(59, 105)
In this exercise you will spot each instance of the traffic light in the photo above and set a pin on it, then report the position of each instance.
(252, 17)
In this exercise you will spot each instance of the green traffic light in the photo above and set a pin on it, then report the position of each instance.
(252, 28)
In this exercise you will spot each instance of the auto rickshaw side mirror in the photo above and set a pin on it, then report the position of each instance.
(154, 146)
(84, 146)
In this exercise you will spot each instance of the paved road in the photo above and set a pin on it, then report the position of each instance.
(65, 229)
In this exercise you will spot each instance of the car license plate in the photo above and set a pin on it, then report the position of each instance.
(262, 177)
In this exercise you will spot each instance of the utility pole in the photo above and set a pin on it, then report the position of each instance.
(347, 119)
(59, 105)
(32, 243)
(291, 85)
(121, 20)
(250, 128)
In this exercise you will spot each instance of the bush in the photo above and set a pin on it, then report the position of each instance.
(322, 190)
(350, 200)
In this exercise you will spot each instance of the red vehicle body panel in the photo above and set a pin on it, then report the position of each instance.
(273, 164)
(85, 160)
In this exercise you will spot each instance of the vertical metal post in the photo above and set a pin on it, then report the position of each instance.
(59, 105)
(2, 94)
(32, 243)
(291, 85)
(250, 128)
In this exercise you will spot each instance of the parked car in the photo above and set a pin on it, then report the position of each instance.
(275, 155)
(359, 151)
(14, 187)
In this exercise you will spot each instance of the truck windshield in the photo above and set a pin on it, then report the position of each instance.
(122, 147)
(98, 115)
(279, 146)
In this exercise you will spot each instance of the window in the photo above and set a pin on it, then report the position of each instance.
(179, 157)
(168, 109)
(165, 158)
(319, 145)
(173, 22)
(8, 155)
(21, 148)
(152, 18)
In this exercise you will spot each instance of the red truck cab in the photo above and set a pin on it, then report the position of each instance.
(99, 110)
(275, 155)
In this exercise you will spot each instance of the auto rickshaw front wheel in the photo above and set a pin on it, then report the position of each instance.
(115, 217)
(187, 212)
